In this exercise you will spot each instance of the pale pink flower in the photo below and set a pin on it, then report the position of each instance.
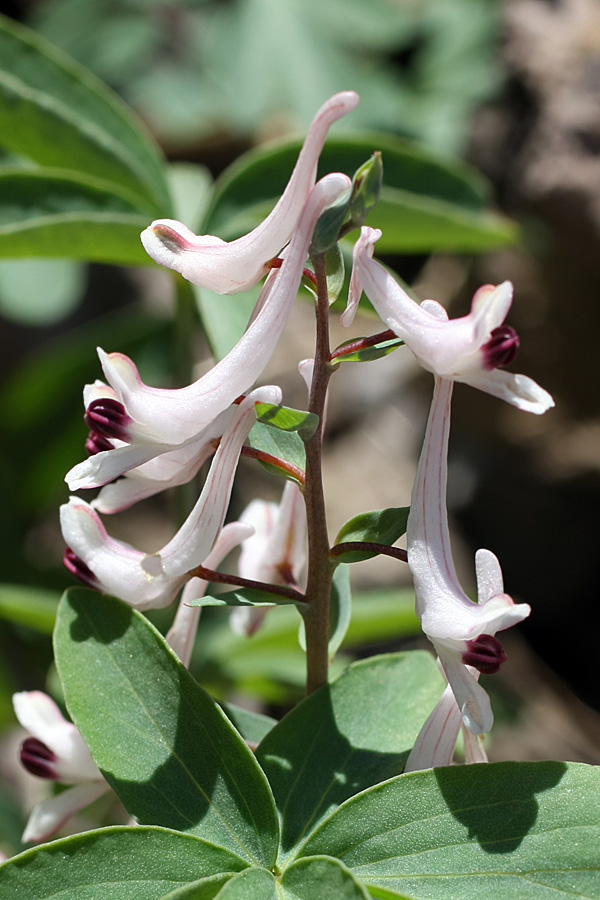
(139, 422)
(469, 349)
(462, 632)
(228, 268)
(151, 581)
(275, 553)
(55, 751)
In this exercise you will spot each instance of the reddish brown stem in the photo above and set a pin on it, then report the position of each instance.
(237, 581)
(296, 473)
(366, 546)
(363, 343)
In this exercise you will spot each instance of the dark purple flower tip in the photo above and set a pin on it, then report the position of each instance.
(38, 759)
(107, 417)
(485, 653)
(78, 568)
(501, 349)
(95, 443)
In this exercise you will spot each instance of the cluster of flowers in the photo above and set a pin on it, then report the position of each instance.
(143, 440)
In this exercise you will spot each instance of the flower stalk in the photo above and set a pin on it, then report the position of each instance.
(320, 565)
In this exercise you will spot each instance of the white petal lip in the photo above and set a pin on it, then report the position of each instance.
(41, 717)
(228, 268)
(165, 419)
(448, 617)
(450, 348)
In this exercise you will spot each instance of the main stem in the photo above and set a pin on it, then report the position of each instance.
(320, 567)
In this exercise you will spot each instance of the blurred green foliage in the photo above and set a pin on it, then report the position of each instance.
(195, 68)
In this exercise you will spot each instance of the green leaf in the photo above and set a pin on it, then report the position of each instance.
(366, 188)
(252, 726)
(526, 830)
(137, 863)
(321, 878)
(40, 292)
(285, 445)
(162, 743)
(427, 202)
(53, 213)
(340, 608)
(335, 272)
(346, 737)
(56, 113)
(286, 419)
(33, 607)
(247, 597)
(329, 223)
(382, 526)
(377, 351)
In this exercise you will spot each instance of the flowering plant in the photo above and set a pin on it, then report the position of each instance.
(353, 793)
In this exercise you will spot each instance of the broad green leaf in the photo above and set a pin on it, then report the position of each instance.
(40, 292)
(140, 863)
(57, 114)
(446, 196)
(247, 597)
(252, 726)
(165, 747)
(30, 606)
(377, 351)
(54, 213)
(321, 878)
(382, 526)
(252, 884)
(412, 223)
(286, 419)
(285, 445)
(526, 830)
(346, 737)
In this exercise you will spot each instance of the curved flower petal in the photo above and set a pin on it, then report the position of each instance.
(51, 814)
(463, 349)
(457, 627)
(228, 268)
(115, 566)
(161, 419)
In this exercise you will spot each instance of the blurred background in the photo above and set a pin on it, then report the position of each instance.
(510, 86)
